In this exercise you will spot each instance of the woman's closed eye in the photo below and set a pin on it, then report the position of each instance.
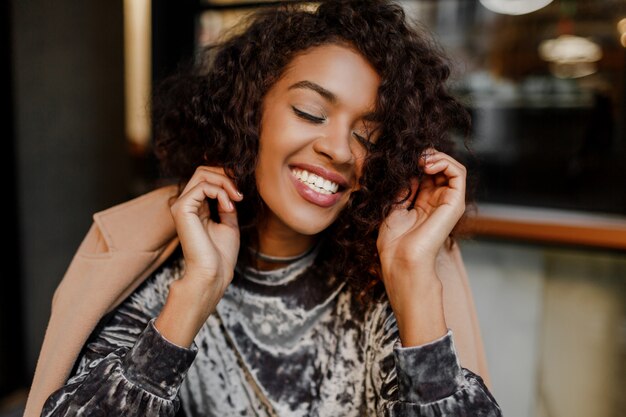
(307, 116)
(363, 140)
(316, 119)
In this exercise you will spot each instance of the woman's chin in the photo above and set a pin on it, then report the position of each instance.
(310, 228)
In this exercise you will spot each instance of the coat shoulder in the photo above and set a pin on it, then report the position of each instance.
(141, 224)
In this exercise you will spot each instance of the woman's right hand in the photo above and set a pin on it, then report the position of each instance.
(210, 250)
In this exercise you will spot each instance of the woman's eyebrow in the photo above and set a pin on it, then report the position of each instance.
(317, 88)
(310, 85)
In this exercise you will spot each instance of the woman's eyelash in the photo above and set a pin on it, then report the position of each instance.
(308, 116)
(315, 119)
(364, 141)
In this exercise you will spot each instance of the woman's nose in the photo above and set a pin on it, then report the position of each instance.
(335, 144)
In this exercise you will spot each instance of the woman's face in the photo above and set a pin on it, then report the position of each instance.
(315, 119)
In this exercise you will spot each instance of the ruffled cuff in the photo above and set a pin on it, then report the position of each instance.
(156, 364)
(428, 372)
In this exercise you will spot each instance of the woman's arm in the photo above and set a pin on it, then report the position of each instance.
(127, 367)
(136, 364)
(210, 250)
(409, 242)
(426, 378)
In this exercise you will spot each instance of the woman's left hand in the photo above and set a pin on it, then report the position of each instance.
(412, 235)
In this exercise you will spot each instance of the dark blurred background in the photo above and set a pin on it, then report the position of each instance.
(547, 92)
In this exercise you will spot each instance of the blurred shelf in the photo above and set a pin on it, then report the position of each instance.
(544, 225)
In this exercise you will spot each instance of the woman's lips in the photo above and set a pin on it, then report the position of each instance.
(319, 199)
(322, 172)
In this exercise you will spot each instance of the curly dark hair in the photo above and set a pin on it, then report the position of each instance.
(211, 115)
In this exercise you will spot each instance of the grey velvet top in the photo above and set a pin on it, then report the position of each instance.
(287, 342)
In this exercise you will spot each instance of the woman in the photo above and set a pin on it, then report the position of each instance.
(317, 196)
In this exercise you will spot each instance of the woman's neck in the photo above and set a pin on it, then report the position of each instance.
(280, 243)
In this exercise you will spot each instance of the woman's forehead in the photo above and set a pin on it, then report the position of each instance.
(336, 73)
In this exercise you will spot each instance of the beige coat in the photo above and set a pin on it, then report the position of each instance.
(129, 241)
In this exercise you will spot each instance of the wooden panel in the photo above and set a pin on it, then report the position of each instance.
(548, 226)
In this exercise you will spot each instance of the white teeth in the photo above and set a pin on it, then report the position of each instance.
(315, 182)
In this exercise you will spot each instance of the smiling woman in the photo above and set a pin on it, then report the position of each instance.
(304, 266)
(312, 121)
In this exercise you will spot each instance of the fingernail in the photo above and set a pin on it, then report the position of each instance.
(239, 194)
(231, 206)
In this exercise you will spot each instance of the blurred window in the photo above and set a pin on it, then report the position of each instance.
(546, 90)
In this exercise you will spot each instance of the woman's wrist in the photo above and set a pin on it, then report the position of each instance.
(419, 312)
(417, 333)
(185, 311)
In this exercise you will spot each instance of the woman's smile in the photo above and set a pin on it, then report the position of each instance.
(315, 188)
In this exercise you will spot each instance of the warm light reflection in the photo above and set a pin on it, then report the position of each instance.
(214, 25)
(570, 56)
(621, 26)
(573, 70)
(137, 72)
(514, 7)
(569, 49)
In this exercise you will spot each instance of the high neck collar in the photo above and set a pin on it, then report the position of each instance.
(282, 275)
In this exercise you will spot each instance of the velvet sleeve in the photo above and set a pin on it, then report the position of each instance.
(425, 380)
